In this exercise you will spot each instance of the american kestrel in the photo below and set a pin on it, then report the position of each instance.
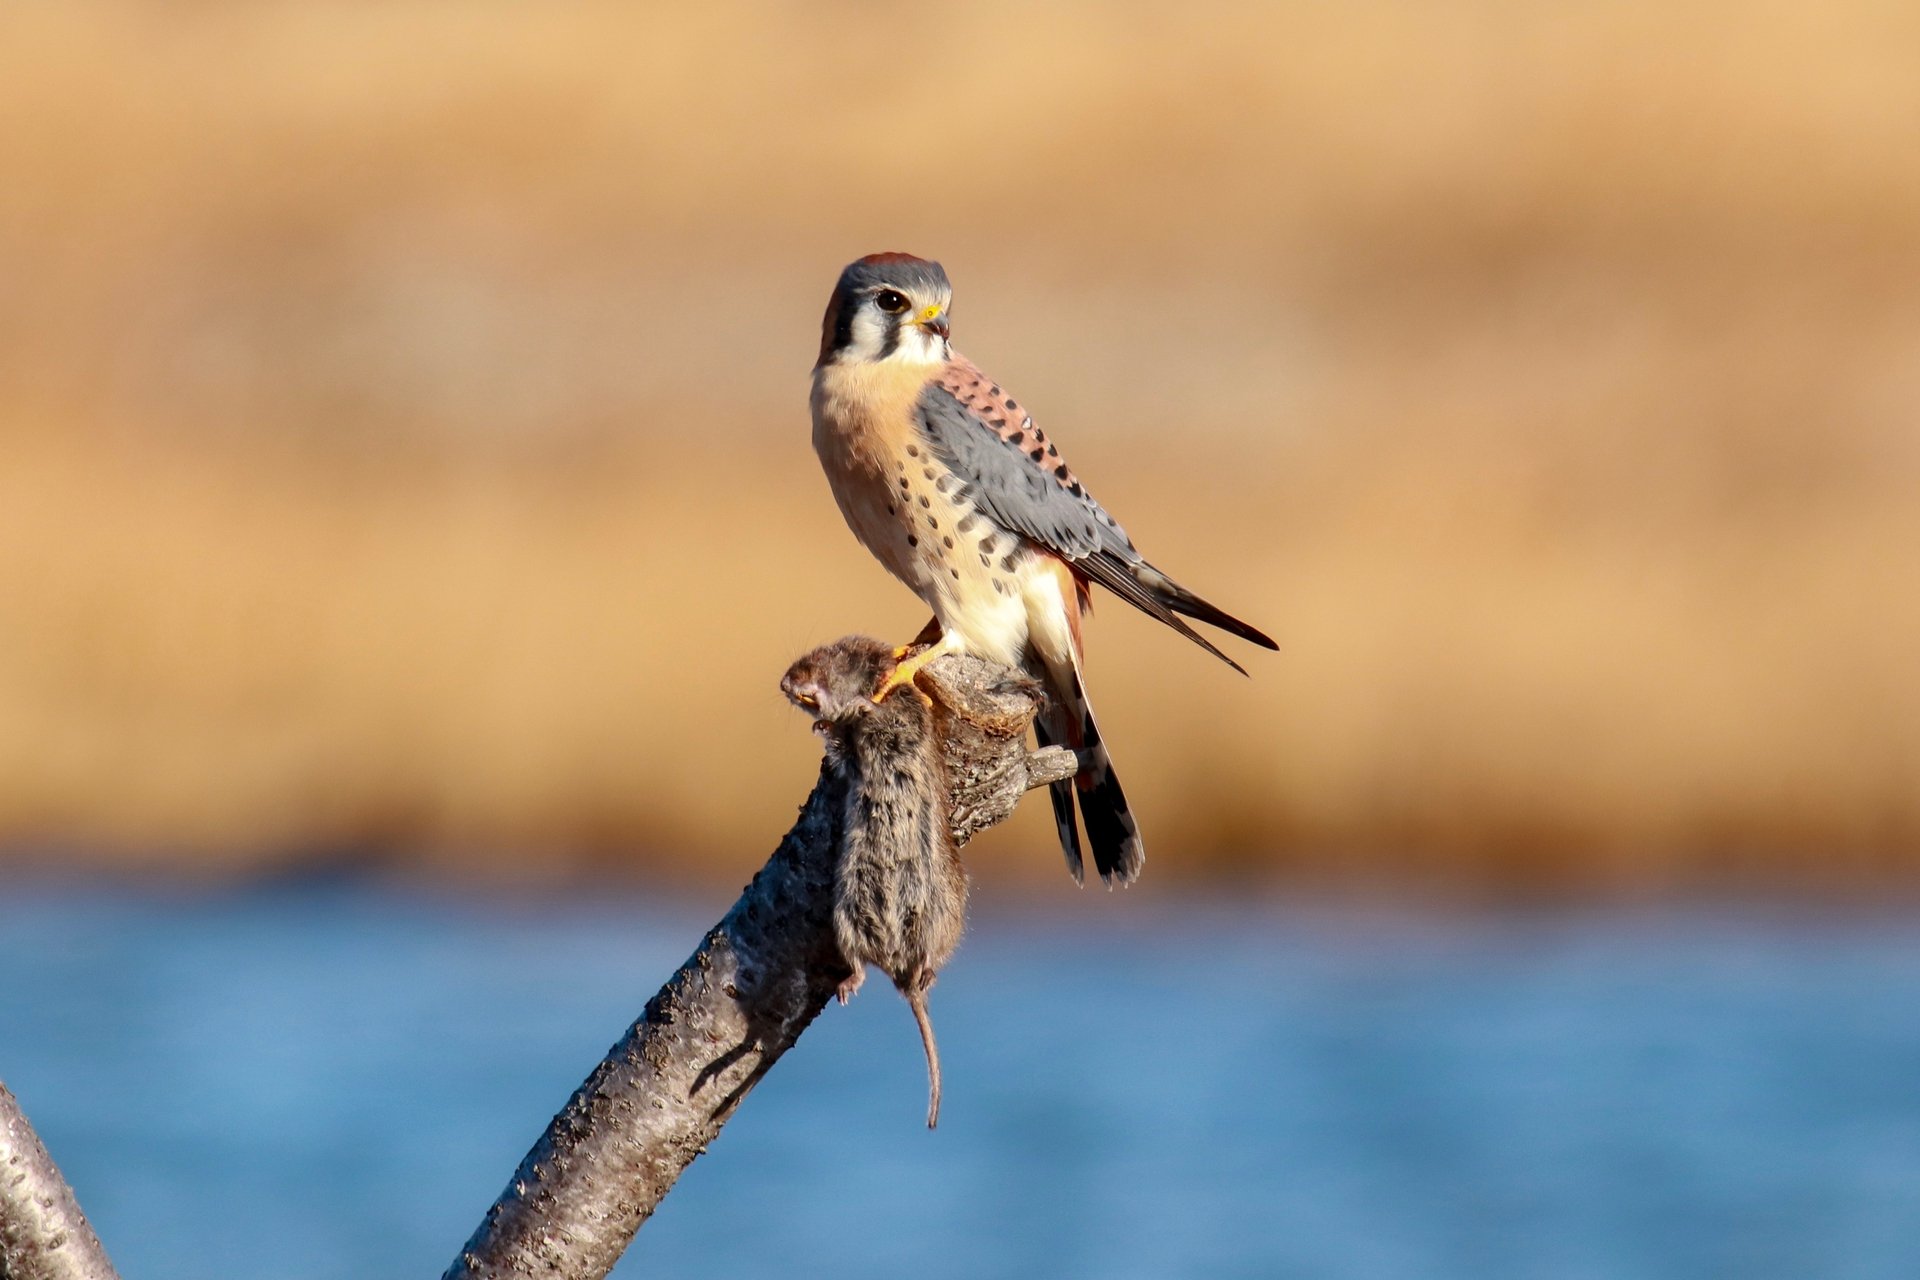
(948, 482)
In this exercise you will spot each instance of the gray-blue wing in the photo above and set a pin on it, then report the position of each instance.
(1049, 508)
(1000, 479)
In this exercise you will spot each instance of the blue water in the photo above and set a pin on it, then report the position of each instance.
(309, 1083)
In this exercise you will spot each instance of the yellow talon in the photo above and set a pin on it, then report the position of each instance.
(905, 668)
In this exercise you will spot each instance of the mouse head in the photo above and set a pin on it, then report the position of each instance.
(834, 684)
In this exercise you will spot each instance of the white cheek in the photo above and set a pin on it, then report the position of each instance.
(869, 335)
(917, 346)
(932, 349)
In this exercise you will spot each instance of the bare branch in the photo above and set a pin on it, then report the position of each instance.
(739, 1002)
(43, 1234)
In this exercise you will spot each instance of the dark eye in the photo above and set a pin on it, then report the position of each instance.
(891, 301)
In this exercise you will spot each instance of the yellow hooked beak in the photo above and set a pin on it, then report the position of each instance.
(932, 320)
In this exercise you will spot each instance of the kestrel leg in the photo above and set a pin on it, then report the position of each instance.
(905, 670)
(928, 635)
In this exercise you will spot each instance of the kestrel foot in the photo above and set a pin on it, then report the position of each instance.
(905, 668)
(852, 984)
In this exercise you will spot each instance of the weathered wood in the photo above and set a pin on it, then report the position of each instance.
(43, 1234)
(739, 1002)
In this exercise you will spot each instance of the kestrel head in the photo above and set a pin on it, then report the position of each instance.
(888, 306)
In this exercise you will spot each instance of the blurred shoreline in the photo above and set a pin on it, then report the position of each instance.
(403, 435)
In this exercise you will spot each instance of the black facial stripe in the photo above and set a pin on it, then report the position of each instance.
(843, 324)
(890, 343)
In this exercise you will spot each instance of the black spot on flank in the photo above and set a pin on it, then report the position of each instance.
(1036, 454)
(963, 494)
(986, 562)
(955, 573)
(913, 539)
(925, 501)
(948, 541)
(1009, 560)
(913, 451)
(1012, 405)
(966, 524)
(1060, 472)
(892, 510)
(932, 523)
(994, 390)
(903, 479)
(1051, 451)
(1017, 439)
(986, 544)
(1077, 489)
(998, 589)
(927, 472)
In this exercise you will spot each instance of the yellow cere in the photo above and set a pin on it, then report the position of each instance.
(929, 312)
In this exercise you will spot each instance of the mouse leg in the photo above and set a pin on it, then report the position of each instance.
(852, 983)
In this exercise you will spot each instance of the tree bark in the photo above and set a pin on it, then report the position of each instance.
(43, 1234)
(740, 1001)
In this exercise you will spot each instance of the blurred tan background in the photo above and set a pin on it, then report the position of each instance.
(404, 458)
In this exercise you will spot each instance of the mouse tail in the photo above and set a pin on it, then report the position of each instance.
(918, 1002)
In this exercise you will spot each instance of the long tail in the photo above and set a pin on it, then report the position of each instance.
(1068, 721)
(1158, 596)
(1181, 600)
(917, 1000)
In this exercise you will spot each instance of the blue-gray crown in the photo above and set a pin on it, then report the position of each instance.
(901, 270)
